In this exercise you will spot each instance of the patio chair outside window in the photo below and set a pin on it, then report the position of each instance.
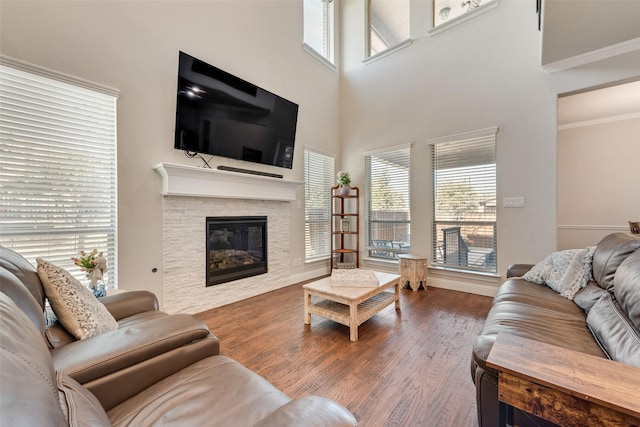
(455, 249)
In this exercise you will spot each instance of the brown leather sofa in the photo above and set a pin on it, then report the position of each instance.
(154, 369)
(603, 319)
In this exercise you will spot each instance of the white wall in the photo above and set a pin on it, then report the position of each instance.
(133, 46)
(485, 72)
(598, 180)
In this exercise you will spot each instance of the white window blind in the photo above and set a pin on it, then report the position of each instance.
(57, 169)
(319, 177)
(319, 27)
(464, 201)
(388, 203)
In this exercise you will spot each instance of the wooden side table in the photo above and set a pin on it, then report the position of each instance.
(413, 269)
(563, 386)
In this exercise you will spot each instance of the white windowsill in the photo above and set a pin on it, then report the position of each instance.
(491, 277)
(318, 57)
(387, 52)
(492, 4)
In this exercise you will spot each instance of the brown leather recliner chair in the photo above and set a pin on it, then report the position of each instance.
(148, 345)
(215, 391)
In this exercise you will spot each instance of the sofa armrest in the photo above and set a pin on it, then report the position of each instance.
(518, 270)
(90, 359)
(127, 304)
(310, 411)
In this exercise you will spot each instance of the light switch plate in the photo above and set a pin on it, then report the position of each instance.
(513, 202)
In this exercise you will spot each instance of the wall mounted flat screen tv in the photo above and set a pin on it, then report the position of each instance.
(222, 115)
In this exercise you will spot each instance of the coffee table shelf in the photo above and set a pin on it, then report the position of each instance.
(340, 313)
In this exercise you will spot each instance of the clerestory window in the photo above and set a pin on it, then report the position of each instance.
(388, 24)
(319, 33)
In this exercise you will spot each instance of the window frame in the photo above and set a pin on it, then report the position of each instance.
(391, 48)
(377, 247)
(482, 260)
(327, 58)
(323, 191)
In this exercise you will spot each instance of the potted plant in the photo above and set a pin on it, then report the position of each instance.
(344, 180)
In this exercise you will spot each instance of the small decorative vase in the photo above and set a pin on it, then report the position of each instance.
(99, 291)
(97, 283)
(344, 190)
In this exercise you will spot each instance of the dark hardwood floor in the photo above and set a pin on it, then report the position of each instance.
(408, 368)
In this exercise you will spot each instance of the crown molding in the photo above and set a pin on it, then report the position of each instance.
(593, 56)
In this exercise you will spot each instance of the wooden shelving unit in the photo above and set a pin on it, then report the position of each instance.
(345, 228)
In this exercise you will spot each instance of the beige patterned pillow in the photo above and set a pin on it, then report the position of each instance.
(75, 306)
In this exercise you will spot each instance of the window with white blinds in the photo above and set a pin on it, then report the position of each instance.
(464, 201)
(319, 177)
(57, 168)
(388, 203)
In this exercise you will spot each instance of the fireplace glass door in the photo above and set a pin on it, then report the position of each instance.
(236, 248)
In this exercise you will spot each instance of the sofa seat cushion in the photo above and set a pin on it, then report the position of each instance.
(525, 312)
(536, 295)
(216, 391)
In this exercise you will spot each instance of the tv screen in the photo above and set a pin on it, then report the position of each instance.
(222, 115)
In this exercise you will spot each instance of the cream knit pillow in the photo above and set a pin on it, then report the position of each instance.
(75, 306)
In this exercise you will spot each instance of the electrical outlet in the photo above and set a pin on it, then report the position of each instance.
(513, 202)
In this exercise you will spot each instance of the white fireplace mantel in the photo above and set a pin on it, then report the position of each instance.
(181, 180)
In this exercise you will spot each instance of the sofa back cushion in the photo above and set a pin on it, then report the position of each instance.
(29, 394)
(14, 289)
(24, 271)
(615, 332)
(609, 254)
(627, 287)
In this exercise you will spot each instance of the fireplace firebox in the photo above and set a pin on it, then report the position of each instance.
(236, 248)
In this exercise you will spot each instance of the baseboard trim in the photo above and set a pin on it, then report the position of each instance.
(487, 290)
(308, 275)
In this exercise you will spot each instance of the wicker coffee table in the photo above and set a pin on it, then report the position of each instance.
(350, 306)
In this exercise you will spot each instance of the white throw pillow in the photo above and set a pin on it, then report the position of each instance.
(566, 272)
(75, 306)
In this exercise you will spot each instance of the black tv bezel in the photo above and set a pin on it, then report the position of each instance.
(237, 83)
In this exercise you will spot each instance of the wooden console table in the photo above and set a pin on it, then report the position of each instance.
(563, 386)
(413, 269)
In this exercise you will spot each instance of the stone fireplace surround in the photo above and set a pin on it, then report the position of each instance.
(190, 195)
